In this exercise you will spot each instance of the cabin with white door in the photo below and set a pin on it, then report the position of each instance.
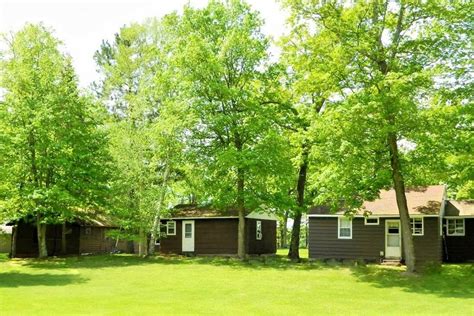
(206, 231)
(374, 232)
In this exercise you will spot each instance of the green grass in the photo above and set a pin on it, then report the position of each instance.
(124, 284)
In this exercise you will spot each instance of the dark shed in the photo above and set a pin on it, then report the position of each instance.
(204, 231)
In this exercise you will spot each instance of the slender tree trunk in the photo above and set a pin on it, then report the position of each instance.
(241, 251)
(142, 244)
(399, 186)
(156, 221)
(41, 233)
(284, 231)
(14, 238)
(63, 239)
(294, 253)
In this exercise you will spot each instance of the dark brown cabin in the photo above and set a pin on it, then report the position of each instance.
(82, 237)
(378, 237)
(203, 231)
(458, 231)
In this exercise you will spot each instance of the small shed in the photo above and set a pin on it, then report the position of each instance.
(206, 231)
(82, 236)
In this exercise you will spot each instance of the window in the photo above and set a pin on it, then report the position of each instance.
(416, 226)
(455, 227)
(371, 221)
(344, 228)
(259, 234)
(171, 228)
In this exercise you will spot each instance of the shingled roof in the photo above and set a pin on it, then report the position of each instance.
(194, 211)
(459, 208)
(420, 200)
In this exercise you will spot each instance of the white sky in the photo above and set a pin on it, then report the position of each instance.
(82, 25)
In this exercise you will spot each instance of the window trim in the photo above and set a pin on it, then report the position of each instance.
(339, 227)
(422, 225)
(463, 226)
(257, 235)
(168, 227)
(371, 224)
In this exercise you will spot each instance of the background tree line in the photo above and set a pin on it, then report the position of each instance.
(363, 97)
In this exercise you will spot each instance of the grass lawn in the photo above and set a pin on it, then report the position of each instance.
(124, 284)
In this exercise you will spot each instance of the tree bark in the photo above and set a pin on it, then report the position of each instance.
(294, 253)
(41, 233)
(142, 244)
(241, 251)
(63, 239)
(14, 238)
(284, 231)
(156, 221)
(399, 186)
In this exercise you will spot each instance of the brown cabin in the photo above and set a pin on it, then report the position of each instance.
(82, 237)
(203, 231)
(440, 233)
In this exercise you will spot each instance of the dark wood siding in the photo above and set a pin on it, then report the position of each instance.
(27, 240)
(216, 236)
(95, 240)
(171, 244)
(367, 240)
(219, 236)
(428, 248)
(267, 245)
(366, 243)
(461, 248)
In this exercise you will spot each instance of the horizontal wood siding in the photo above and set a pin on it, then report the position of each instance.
(461, 248)
(171, 244)
(216, 236)
(95, 240)
(267, 245)
(366, 243)
(428, 248)
(368, 240)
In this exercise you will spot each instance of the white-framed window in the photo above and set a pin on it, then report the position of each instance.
(417, 226)
(371, 220)
(170, 228)
(258, 230)
(455, 227)
(344, 228)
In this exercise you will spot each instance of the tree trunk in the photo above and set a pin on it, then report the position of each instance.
(142, 244)
(63, 239)
(241, 251)
(41, 233)
(14, 238)
(156, 221)
(294, 252)
(284, 231)
(399, 186)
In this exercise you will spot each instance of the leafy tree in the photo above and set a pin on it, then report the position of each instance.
(54, 163)
(224, 65)
(383, 62)
(148, 123)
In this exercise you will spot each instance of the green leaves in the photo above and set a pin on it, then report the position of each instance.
(53, 158)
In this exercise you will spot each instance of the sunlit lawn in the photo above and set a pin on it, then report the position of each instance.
(124, 284)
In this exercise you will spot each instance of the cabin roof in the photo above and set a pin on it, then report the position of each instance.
(194, 211)
(459, 208)
(421, 201)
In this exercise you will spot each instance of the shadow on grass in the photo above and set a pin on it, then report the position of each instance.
(114, 261)
(17, 279)
(447, 281)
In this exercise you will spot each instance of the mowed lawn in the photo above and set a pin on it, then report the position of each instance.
(124, 284)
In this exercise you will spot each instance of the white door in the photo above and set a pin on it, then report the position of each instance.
(393, 239)
(188, 236)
